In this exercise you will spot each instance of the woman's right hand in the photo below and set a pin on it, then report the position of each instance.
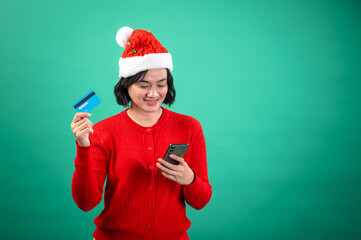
(81, 127)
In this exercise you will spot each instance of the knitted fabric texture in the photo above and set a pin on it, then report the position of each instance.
(143, 42)
(139, 202)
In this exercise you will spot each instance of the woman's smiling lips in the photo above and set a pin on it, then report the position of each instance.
(151, 102)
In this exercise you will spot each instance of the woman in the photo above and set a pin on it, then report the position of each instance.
(144, 195)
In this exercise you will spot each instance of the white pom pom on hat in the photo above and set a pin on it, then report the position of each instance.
(123, 36)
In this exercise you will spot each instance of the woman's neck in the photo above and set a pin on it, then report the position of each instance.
(145, 119)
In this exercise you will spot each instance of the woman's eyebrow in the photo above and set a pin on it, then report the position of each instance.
(145, 81)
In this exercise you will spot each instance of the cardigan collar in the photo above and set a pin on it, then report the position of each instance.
(155, 127)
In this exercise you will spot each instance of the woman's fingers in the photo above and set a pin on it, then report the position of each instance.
(80, 115)
(77, 124)
(180, 173)
(79, 131)
(168, 165)
(80, 122)
(81, 127)
(162, 166)
(177, 158)
(169, 176)
(85, 131)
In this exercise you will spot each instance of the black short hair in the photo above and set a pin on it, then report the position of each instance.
(121, 88)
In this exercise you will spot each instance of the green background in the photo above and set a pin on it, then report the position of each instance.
(275, 85)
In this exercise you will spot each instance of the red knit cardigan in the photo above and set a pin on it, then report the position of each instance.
(139, 202)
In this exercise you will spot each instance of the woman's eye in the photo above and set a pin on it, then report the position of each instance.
(143, 86)
(161, 85)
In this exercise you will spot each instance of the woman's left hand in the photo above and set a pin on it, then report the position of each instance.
(180, 173)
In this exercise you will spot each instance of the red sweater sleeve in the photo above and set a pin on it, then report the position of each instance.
(90, 172)
(199, 192)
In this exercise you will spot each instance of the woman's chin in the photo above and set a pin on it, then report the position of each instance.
(151, 108)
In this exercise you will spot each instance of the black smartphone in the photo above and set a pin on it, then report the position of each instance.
(178, 149)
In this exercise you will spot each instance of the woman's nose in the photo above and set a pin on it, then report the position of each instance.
(152, 93)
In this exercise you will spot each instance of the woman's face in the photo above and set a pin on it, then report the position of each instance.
(149, 93)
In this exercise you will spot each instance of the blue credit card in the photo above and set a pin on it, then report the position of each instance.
(87, 102)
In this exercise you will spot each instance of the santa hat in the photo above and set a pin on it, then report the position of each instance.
(142, 51)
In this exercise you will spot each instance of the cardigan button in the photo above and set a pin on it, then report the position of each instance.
(149, 227)
(150, 148)
(151, 167)
(150, 206)
(150, 187)
(148, 129)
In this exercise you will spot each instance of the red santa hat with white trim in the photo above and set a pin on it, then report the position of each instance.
(142, 51)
